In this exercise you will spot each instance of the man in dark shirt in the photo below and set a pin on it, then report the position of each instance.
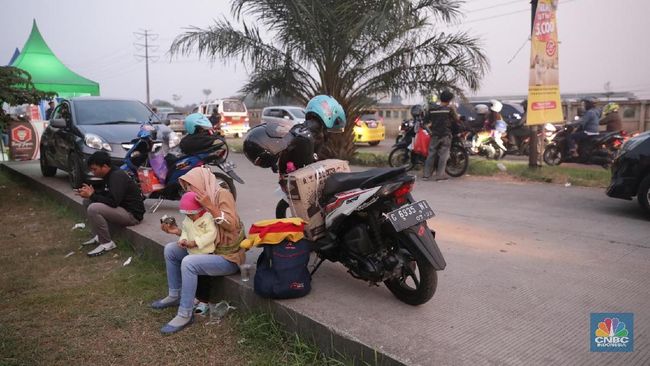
(48, 112)
(441, 119)
(120, 204)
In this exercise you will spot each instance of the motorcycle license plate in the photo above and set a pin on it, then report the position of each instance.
(409, 215)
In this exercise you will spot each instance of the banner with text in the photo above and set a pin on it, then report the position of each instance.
(544, 103)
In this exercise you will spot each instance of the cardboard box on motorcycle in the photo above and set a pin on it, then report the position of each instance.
(304, 188)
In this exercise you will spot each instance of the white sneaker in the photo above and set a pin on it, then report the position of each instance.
(102, 248)
(94, 240)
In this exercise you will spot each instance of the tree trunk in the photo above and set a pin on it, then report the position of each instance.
(340, 145)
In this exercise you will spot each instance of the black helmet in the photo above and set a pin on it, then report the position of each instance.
(417, 111)
(446, 96)
(264, 143)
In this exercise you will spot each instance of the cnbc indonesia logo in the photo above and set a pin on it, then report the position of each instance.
(612, 333)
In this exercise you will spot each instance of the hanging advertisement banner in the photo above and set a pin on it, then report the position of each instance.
(544, 103)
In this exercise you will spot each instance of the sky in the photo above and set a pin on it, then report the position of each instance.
(600, 41)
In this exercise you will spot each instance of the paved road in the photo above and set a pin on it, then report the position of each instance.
(527, 264)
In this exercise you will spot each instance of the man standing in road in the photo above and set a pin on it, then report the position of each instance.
(120, 204)
(215, 119)
(440, 120)
(49, 111)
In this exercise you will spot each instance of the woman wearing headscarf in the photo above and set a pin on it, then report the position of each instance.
(183, 269)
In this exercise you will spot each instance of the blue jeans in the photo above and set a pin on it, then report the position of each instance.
(183, 270)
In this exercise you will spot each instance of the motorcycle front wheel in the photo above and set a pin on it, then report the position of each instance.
(458, 161)
(226, 182)
(552, 155)
(281, 209)
(399, 157)
(418, 281)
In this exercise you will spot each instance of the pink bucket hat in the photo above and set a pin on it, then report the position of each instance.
(189, 204)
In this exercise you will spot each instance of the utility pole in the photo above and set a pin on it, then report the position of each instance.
(146, 35)
(533, 157)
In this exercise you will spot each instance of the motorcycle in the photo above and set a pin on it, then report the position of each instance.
(489, 144)
(378, 231)
(403, 154)
(144, 153)
(404, 129)
(599, 149)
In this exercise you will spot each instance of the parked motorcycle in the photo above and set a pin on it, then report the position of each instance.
(599, 149)
(403, 154)
(146, 154)
(404, 129)
(378, 231)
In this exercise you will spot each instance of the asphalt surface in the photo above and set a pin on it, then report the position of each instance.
(526, 265)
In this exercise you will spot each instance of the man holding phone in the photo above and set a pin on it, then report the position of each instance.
(120, 204)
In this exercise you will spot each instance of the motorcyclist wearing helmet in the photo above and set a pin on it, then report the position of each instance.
(482, 111)
(589, 124)
(199, 136)
(612, 118)
(494, 115)
(302, 144)
(440, 120)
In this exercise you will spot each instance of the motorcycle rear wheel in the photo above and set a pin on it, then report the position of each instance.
(226, 182)
(399, 157)
(418, 282)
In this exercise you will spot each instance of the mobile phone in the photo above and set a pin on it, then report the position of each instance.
(169, 220)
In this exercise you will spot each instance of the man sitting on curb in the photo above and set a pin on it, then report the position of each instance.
(120, 204)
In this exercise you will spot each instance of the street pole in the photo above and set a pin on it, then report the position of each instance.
(533, 157)
(146, 59)
(147, 35)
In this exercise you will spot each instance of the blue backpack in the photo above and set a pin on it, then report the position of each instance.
(282, 271)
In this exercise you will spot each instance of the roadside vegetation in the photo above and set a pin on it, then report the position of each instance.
(66, 309)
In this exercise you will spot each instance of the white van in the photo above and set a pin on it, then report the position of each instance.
(233, 112)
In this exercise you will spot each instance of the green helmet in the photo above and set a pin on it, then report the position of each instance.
(328, 111)
(610, 107)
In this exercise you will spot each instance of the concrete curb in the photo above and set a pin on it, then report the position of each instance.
(328, 340)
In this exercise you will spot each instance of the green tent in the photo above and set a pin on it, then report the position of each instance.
(48, 73)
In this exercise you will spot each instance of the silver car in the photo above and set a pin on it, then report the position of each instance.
(280, 113)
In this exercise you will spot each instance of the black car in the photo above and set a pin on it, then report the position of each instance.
(631, 171)
(511, 113)
(81, 126)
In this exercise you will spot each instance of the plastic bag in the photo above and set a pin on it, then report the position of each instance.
(159, 166)
(421, 144)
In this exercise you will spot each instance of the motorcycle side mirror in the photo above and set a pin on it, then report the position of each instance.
(58, 123)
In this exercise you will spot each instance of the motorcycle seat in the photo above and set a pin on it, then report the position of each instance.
(340, 182)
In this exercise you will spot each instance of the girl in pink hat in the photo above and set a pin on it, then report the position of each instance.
(198, 229)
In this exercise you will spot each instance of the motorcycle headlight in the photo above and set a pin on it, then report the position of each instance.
(95, 142)
(174, 140)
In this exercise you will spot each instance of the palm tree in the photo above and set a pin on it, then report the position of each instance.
(352, 50)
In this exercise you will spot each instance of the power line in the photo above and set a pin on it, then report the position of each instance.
(494, 6)
(147, 36)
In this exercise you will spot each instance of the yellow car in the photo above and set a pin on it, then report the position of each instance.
(369, 128)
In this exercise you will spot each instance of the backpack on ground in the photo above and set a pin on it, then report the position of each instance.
(282, 271)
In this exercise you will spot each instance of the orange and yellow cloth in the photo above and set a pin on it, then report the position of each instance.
(274, 232)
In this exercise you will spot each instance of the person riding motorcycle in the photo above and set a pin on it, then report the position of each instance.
(589, 124)
(612, 118)
(302, 144)
(518, 131)
(199, 136)
(482, 112)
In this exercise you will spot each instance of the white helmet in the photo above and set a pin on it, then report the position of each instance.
(496, 106)
(481, 109)
(548, 127)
